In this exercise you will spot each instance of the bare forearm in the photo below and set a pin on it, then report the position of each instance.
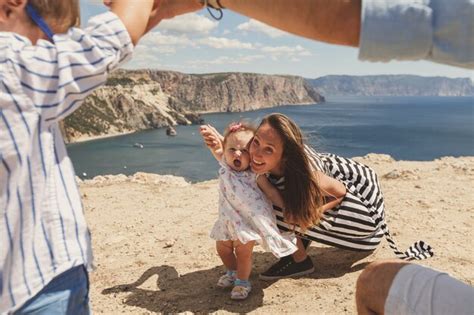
(332, 204)
(134, 15)
(270, 191)
(216, 153)
(331, 21)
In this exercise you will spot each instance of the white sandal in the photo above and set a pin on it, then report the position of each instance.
(226, 281)
(240, 292)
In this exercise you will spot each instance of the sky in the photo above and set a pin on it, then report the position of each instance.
(196, 43)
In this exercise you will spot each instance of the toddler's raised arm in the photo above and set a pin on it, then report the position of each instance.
(213, 140)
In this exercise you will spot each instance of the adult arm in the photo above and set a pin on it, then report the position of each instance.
(331, 188)
(270, 191)
(134, 15)
(167, 9)
(331, 21)
(437, 30)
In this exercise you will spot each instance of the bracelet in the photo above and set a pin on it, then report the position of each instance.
(217, 6)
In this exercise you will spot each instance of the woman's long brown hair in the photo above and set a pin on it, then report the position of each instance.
(302, 195)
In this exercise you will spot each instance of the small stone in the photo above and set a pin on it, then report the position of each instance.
(169, 243)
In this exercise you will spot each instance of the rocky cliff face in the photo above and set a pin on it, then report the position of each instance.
(234, 91)
(138, 100)
(392, 85)
(117, 109)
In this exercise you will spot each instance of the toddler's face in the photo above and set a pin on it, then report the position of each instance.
(236, 150)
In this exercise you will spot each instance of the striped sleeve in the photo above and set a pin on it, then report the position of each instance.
(57, 77)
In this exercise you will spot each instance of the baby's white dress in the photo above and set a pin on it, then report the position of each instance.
(245, 214)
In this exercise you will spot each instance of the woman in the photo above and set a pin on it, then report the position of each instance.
(328, 199)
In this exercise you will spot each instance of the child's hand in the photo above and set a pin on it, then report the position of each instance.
(168, 9)
(211, 136)
(213, 140)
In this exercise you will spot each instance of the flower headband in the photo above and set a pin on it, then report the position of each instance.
(39, 21)
(235, 127)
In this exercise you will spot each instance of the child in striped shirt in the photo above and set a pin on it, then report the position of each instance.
(47, 67)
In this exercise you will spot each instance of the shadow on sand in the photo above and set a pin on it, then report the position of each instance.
(196, 291)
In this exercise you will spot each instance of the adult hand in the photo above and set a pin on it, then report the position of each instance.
(168, 9)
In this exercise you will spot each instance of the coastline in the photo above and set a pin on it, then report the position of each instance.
(153, 253)
(85, 138)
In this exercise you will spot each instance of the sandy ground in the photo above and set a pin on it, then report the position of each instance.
(153, 253)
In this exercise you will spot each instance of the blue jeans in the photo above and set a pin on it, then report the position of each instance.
(66, 294)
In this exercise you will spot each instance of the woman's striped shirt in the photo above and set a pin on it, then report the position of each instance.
(358, 222)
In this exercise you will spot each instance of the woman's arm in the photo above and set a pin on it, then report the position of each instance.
(270, 191)
(331, 188)
(331, 21)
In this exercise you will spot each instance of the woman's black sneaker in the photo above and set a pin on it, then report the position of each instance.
(286, 267)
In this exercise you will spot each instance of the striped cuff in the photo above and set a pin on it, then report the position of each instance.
(395, 29)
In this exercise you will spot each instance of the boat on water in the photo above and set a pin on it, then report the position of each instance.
(138, 145)
(170, 131)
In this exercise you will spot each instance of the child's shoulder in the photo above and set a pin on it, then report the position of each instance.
(11, 44)
(11, 40)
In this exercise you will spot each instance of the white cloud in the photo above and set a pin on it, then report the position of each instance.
(225, 43)
(284, 49)
(155, 39)
(276, 51)
(256, 26)
(227, 60)
(188, 23)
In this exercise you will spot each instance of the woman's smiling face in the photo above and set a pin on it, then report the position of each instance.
(266, 151)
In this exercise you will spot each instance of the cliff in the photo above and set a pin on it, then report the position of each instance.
(392, 85)
(145, 99)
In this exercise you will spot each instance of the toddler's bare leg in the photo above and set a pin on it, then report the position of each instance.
(225, 249)
(244, 259)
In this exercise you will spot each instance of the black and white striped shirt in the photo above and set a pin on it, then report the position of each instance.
(358, 222)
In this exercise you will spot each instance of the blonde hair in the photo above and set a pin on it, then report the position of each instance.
(59, 14)
(302, 195)
(235, 127)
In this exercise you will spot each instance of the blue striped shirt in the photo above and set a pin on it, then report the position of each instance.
(43, 231)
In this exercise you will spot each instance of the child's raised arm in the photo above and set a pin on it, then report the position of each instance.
(270, 191)
(213, 140)
(134, 15)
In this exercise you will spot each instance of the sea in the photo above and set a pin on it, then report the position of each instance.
(407, 128)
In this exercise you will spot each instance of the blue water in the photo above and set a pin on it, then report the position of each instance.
(407, 128)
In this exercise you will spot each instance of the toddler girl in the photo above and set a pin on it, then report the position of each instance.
(245, 211)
